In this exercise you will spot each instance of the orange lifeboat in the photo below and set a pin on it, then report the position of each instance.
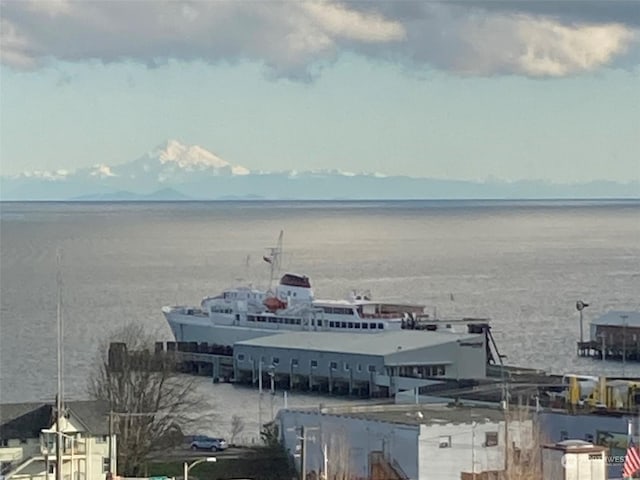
(273, 304)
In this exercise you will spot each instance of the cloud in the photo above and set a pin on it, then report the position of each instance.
(295, 39)
(102, 171)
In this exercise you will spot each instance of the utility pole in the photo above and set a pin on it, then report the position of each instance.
(473, 449)
(325, 459)
(624, 342)
(303, 462)
(260, 398)
(111, 440)
(506, 429)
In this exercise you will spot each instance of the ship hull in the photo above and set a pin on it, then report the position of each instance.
(185, 329)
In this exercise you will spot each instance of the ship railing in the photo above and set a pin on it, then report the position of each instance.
(389, 316)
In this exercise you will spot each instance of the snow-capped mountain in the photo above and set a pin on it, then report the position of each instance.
(174, 171)
(172, 164)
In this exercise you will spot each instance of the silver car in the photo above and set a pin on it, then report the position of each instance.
(202, 442)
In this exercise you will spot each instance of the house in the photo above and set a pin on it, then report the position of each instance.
(28, 441)
(574, 459)
(401, 442)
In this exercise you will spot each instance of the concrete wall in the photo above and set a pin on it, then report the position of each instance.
(398, 442)
(468, 449)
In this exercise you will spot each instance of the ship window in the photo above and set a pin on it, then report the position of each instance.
(297, 321)
(359, 367)
(332, 324)
(334, 365)
(373, 326)
(350, 324)
(380, 326)
(343, 324)
(313, 363)
(319, 322)
(357, 325)
(240, 357)
(275, 360)
(365, 326)
(346, 367)
(294, 362)
(372, 368)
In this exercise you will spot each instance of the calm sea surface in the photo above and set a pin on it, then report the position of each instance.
(523, 264)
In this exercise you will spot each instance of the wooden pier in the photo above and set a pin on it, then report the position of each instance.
(602, 351)
(613, 336)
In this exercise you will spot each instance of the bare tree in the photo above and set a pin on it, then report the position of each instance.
(524, 452)
(237, 427)
(338, 456)
(151, 403)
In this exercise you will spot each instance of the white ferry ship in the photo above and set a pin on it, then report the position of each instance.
(243, 313)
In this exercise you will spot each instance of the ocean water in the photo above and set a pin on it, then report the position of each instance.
(522, 264)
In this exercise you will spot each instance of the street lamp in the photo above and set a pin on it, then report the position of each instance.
(580, 305)
(188, 466)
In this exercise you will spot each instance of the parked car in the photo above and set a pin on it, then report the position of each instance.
(202, 442)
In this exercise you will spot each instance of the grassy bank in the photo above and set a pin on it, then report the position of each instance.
(256, 464)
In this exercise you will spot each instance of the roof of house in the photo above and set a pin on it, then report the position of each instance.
(378, 344)
(418, 414)
(26, 420)
(619, 318)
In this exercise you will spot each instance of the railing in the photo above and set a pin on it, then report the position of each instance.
(11, 454)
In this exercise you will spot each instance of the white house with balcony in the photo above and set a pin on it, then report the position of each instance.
(28, 441)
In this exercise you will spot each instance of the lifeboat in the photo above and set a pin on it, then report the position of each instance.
(273, 304)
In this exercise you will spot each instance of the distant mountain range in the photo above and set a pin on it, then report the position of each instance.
(173, 172)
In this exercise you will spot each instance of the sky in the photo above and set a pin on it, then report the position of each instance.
(475, 90)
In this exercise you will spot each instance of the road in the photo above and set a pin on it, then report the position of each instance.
(186, 454)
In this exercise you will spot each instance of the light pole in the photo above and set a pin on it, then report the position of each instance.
(580, 305)
(473, 450)
(271, 372)
(188, 466)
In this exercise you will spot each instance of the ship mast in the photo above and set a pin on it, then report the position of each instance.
(274, 259)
